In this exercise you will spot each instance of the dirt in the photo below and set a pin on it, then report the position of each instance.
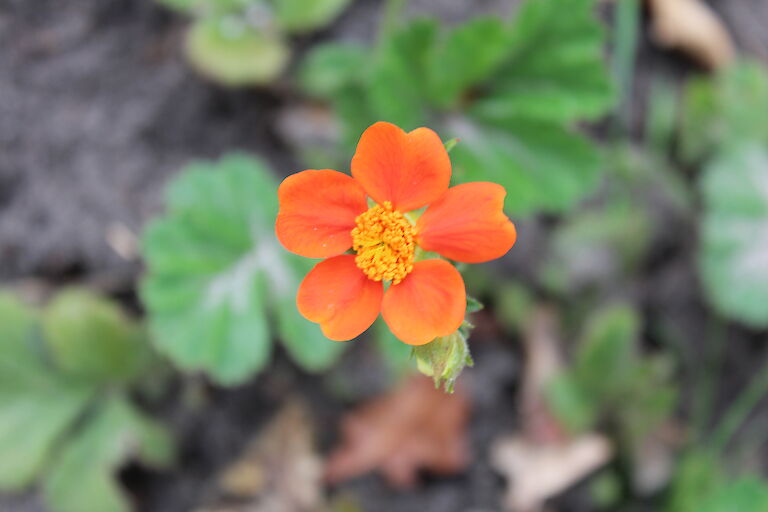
(98, 111)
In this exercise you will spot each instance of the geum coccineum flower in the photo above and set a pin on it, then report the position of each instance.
(325, 213)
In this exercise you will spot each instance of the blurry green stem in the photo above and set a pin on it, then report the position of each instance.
(393, 10)
(707, 374)
(752, 441)
(626, 18)
(738, 413)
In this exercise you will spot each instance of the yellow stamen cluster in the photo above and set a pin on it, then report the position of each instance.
(384, 241)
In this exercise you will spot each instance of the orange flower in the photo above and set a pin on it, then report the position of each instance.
(325, 213)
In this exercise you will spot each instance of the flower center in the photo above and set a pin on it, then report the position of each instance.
(384, 241)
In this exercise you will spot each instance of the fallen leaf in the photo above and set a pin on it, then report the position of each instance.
(538, 471)
(694, 28)
(280, 471)
(413, 428)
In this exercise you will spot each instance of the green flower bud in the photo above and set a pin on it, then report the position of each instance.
(443, 359)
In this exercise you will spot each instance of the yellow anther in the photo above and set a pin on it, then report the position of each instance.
(384, 241)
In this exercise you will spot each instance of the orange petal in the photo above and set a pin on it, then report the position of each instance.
(338, 296)
(317, 212)
(408, 169)
(468, 224)
(428, 303)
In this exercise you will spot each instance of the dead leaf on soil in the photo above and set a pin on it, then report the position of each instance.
(413, 428)
(279, 471)
(694, 28)
(538, 471)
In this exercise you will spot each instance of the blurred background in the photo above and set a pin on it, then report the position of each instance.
(151, 355)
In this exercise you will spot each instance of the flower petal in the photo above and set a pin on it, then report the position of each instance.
(468, 224)
(338, 296)
(409, 169)
(317, 212)
(429, 302)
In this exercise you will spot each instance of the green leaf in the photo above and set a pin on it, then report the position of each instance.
(569, 404)
(700, 486)
(747, 494)
(516, 133)
(234, 53)
(306, 15)
(510, 94)
(473, 305)
(476, 49)
(734, 234)
(208, 7)
(607, 352)
(397, 85)
(37, 406)
(514, 307)
(554, 69)
(91, 338)
(213, 261)
(726, 110)
(542, 166)
(697, 475)
(82, 477)
(330, 68)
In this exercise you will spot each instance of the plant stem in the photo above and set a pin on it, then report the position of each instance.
(707, 374)
(738, 413)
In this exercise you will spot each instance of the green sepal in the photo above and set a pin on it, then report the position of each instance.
(444, 359)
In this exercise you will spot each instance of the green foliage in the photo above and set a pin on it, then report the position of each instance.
(289, 16)
(514, 306)
(331, 68)
(93, 339)
(510, 92)
(234, 53)
(80, 479)
(734, 231)
(207, 7)
(699, 485)
(305, 15)
(725, 111)
(216, 271)
(724, 124)
(54, 389)
(244, 42)
(609, 379)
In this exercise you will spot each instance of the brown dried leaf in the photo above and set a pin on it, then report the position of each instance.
(694, 28)
(280, 469)
(412, 428)
(538, 471)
